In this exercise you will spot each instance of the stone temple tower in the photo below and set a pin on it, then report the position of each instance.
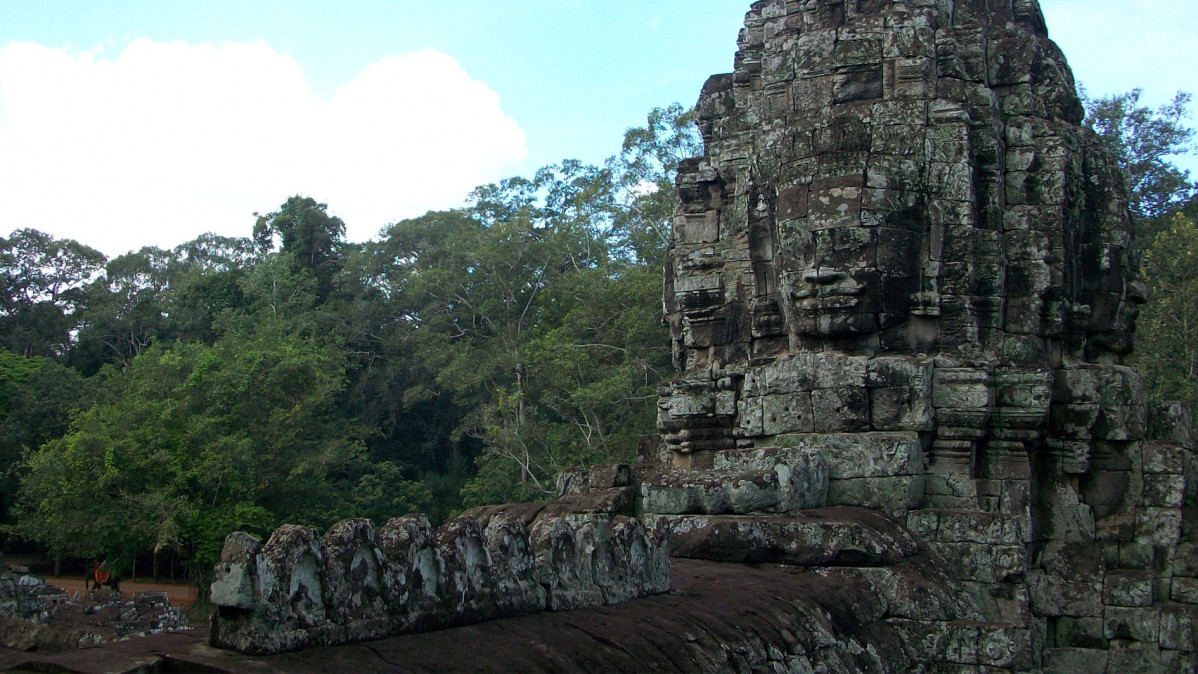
(903, 261)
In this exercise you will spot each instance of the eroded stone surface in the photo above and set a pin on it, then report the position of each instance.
(302, 589)
(825, 537)
(741, 483)
(902, 252)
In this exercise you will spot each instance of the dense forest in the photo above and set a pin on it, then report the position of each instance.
(154, 402)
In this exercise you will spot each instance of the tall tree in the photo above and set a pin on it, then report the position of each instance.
(44, 281)
(1143, 141)
(309, 235)
(207, 288)
(127, 311)
(1167, 335)
(644, 174)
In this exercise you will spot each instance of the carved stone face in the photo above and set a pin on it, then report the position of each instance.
(1103, 298)
(851, 254)
(851, 278)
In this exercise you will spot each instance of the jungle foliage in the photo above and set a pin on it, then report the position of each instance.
(154, 402)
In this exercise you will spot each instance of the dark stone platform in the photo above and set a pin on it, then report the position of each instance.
(719, 617)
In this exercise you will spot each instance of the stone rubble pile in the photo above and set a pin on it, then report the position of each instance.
(354, 583)
(37, 616)
(24, 595)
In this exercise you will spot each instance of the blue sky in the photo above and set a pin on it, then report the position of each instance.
(130, 123)
(577, 71)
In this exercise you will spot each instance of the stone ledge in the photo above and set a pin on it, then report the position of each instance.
(776, 481)
(855, 455)
(826, 536)
(722, 617)
(353, 584)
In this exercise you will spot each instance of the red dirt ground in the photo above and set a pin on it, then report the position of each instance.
(181, 596)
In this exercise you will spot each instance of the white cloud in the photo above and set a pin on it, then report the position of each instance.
(170, 140)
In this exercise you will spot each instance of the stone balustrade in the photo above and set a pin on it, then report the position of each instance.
(356, 583)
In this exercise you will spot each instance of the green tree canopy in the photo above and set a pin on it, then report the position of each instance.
(37, 399)
(44, 284)
(463, 357)
(1167, 335)
(190, 437)
(1143, 141)
(310, 236)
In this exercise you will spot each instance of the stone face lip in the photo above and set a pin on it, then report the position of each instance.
(354, 583)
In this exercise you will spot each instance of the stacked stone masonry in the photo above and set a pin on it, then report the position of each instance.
(354, 583)
(900, 279)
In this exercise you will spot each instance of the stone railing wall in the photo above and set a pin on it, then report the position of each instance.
(356, 583)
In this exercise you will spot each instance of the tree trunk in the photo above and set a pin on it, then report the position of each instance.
(57, 567)
(155, 566)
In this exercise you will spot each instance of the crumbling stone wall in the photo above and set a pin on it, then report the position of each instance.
(355, 583)
(899, 277)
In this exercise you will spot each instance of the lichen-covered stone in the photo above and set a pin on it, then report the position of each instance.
(353, 571)
(741, 483)
(565, 561)
(291, 577)
(641, 564)
(832, 536)
(903, 252)
(469, 573)
(354, 584)
(517, 588)
(233, 583)
(802, 475)
(415, 571)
